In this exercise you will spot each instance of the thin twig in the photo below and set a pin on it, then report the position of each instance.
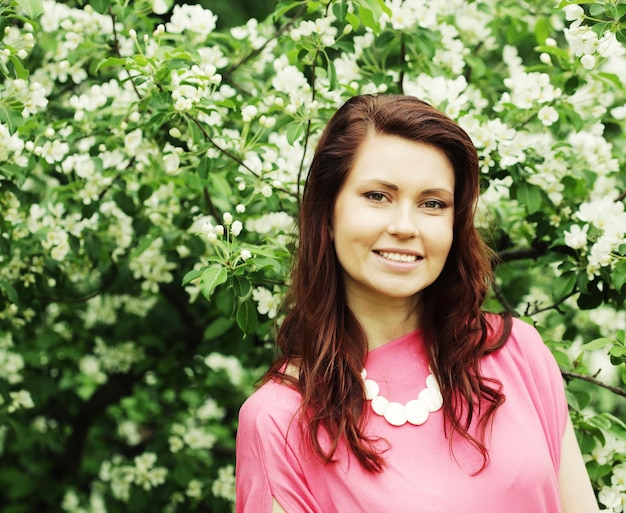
(595, 381)
(556, 305)
(508, 255)
(116, 49)
(276, 35)
(503, 300)
(70, 301)
(229, 154)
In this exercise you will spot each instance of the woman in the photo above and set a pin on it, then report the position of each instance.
(394, 391)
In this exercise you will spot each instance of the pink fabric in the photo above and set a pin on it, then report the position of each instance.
(422, 475)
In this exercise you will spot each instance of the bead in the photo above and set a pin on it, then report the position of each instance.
(371, 389)
(431, 382)
(431, 399)
(415, 412)
(394, 414)
(379, 405)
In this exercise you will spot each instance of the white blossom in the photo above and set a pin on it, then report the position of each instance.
(588, 61)
(288, 78)
(573, 12)
(20, 399)
(548, 115)
(248, 113)
(236, 228)
(194, 489)
(576, 237)
(193, 18)
(230, 364)
(267, 301)
(224, 485)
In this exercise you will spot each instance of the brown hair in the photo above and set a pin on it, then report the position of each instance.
(322, 335)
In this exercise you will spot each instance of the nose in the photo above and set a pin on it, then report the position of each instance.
(403, 224)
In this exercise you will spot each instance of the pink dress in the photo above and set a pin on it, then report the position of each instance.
(421, 475)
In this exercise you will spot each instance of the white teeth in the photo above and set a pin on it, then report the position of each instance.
(398, 257)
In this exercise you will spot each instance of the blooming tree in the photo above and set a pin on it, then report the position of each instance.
(150, 173)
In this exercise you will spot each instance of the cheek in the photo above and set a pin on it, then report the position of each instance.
(441, 238)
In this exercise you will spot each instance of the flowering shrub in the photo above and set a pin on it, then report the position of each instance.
(150, 173)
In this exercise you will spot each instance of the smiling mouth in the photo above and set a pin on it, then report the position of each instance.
(399, 257)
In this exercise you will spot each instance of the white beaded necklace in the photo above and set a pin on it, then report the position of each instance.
(415, 411)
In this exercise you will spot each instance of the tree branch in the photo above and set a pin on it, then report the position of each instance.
(503, 300)
(116, 49)
(554, 306)
(278, 33)
(595, 381)
(509, 255)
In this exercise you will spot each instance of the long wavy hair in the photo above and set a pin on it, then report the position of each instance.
(321, 335)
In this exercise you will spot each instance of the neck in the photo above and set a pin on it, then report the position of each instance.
(386, 321)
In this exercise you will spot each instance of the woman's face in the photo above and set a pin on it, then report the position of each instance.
(393, 219)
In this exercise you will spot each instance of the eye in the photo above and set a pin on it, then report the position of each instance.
(434, 204)
(375, 196)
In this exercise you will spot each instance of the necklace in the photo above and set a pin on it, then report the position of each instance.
(415, 411)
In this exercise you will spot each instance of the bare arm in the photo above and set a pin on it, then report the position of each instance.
(276, 508)
(576, 492)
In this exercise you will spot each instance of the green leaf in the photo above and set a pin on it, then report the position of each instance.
(144, 192)
(589, 301)
(192, 275)
(377, 7)
(582, 398)
(618, 275)
(9, 290)
(20, 70)
(241, 286)
(572, 400)
(596, 344)
(211, 278)
(353, 20)
(529, 196)
(367, 18)
(11, 117)
(332, 74)
(100, 6)
(562, 358)
(125, 202)
(543, 28)
(32, 8)
(220, 187)
(601, 422)
(203, 168)
(564, 285)
(597, 10)
(218, 327)
(111, 62)
(294, 132)
(284, 9)
(247, 316)
(142, 246)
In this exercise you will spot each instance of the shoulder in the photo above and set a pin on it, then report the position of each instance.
(273, 405)
(522, 336)
(525, 339)
(525, 354)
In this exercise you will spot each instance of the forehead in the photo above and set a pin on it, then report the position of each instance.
(401, 161)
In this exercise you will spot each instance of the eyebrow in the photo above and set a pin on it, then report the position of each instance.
(394, 187)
